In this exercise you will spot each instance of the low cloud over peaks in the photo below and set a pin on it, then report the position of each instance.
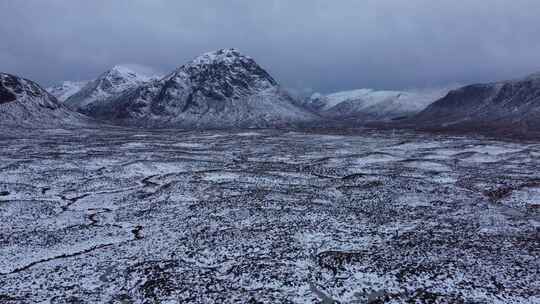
(327, 46)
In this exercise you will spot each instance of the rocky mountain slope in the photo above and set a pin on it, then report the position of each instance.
(25, 103)
(66, 89)
(511, 105)
(108, 85)
(220, 89)
(369, 104)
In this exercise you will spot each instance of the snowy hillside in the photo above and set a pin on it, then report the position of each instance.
(66, 89)
(513, 104)
(109, 84)
(373, 104)
(218, 89)
(24, 103)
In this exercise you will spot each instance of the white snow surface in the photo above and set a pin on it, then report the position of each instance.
(381, 103)
(66, 89)
(135, 216)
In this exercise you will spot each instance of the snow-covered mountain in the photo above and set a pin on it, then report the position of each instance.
(513, 104)
(113, 82)
(25, 103)
(220, 89)
(66, 89)
(369, 104)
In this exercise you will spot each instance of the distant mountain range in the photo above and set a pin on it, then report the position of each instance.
(226, 89)
(372, 105)
(221, 89)
(512, 106)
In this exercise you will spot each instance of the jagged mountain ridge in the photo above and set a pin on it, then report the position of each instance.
(113, 82)
(220, 89)
(513, 104)
(25, 103)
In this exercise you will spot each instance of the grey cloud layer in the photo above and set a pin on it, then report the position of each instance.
(326, 45)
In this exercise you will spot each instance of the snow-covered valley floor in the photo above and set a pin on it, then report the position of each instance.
(267, 216)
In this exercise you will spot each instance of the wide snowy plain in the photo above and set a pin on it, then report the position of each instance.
(358, 216)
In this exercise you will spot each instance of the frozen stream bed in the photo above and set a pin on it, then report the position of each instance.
(101, 216)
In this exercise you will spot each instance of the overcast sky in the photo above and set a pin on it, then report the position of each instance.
(326, 45)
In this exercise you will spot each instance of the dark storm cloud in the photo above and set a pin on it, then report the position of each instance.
(326, 45)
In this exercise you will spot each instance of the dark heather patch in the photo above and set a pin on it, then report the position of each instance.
(189, 102)
(6, 95)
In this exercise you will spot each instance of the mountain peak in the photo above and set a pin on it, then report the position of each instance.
(130, 71)
(116, 80)
(121, 69)
(223, 88)
(121, 72)
(223, 74)
(223, 55)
